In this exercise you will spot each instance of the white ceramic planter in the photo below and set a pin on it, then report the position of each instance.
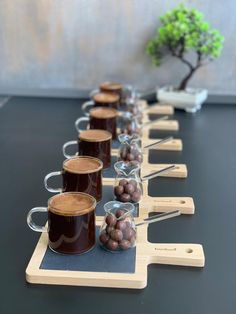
(190, 100)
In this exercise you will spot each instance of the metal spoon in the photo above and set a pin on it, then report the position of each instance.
(162, 141)
(159, 217)
(157, 173)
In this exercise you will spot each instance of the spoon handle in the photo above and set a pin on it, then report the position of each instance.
(159, 217)
(162, 141)
(157, 173)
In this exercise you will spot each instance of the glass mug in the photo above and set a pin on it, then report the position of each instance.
(100, 118)
(101, 100)
(110, 88)
(95, 143)
(71, 222)
(126, 93)
(79, 174)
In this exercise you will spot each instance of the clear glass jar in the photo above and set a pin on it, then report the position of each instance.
(130, 148)
(128, 184)
(129, 124)
(118, 231)
(134, 108)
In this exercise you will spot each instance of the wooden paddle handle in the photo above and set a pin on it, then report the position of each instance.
(179, 172)
(176, 254)
(172, 125)
(156, 109)
(166, 204)
(160, 109)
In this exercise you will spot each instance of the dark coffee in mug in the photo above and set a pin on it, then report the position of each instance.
(71, 221)
(106, 100)
(83, 174)
(104, 119)
(96, 143)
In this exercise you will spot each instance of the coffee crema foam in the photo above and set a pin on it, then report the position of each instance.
(110, 86)
(71, 204)
(106, 98)
(103, 113)
(95, 135)
(82, 164)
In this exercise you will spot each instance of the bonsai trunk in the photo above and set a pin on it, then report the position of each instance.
(184, 82)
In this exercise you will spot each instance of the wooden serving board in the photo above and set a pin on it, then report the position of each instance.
(100, 268)
(156, 108)
(148, 204)
(179, 172)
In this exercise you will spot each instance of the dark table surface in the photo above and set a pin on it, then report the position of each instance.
(32, 131)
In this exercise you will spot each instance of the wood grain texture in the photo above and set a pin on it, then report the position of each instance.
(73, 44)
(146, 253)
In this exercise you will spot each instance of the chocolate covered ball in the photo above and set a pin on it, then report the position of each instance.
(120, 225)
(130, 157)
(128, 224)
(125, 244)
(128, 233)
(110, 220)
(104, 237)
(123, 182)
(136, 196)
(109, 229)
(116, 235)
(125, 198)
(119, 189)
(129, 188)
(119, 213)
(112, 245)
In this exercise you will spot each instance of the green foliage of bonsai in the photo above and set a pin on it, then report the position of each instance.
(183, 30)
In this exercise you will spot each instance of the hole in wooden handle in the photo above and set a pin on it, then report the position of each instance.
(188, 250)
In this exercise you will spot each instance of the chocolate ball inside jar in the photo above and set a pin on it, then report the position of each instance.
(112, 245)
(110, 220)
(121, 225)
(128, 192)
(119, 190)
(125, 245)
(129, 188)
(130, 153)
(117, 235)
(120, 213)
(125, 198)
(109, 229)
(104, 237)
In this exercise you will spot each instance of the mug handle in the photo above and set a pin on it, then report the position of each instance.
(30, 222)
(94, 92)
(87, 104)
(78, 121)
(52, 174)
(70, 143)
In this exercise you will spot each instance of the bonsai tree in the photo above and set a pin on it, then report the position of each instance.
(182, 31)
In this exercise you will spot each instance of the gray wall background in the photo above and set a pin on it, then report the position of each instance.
(62, 46)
